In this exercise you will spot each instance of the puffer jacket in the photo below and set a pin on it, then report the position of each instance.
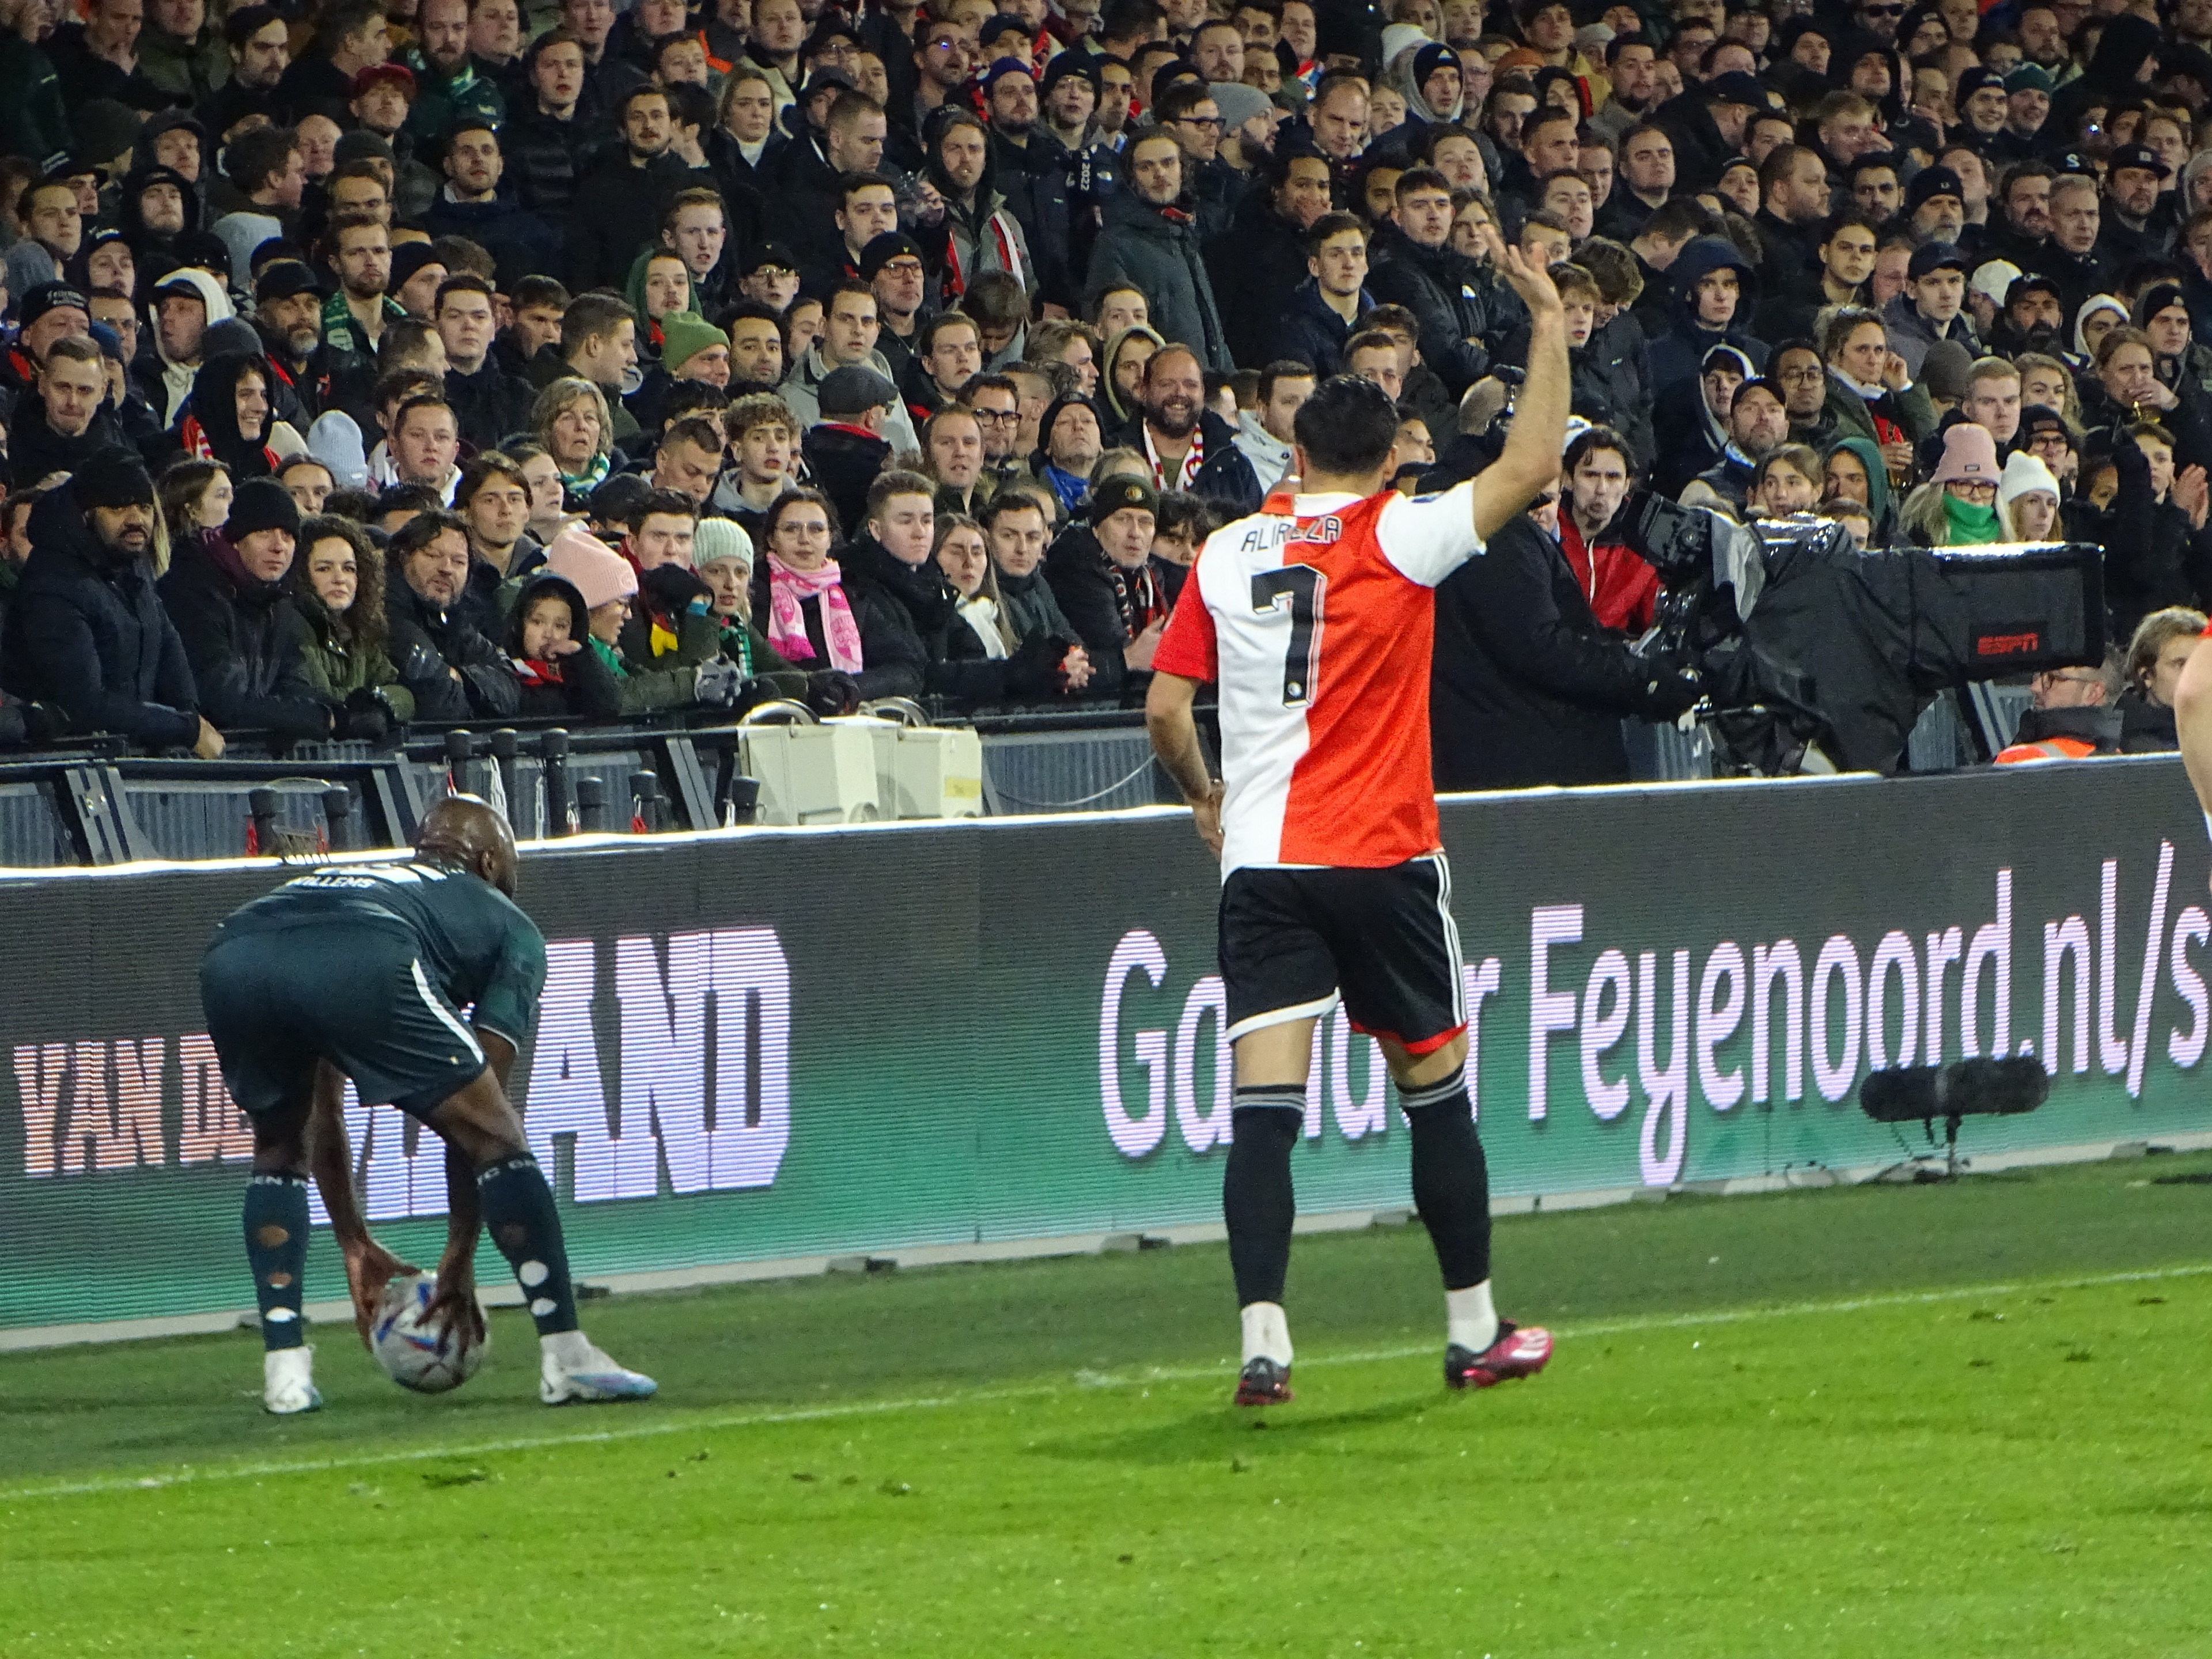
(89, 633)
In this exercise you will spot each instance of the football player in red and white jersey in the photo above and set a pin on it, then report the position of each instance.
(1314, 617)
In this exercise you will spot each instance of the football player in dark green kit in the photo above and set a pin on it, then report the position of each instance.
(360, 970)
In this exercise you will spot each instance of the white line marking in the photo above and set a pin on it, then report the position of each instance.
(187, 1477)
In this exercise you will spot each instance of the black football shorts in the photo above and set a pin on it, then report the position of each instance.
(1294, 941)
(278, 999)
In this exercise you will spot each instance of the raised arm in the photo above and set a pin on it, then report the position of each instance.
(1530, 461)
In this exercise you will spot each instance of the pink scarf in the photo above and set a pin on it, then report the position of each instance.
(787, 624)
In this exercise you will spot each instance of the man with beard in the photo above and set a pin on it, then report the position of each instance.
(2139, 221)
(489, 404)
(354, 318)
(448, 81)
(1259, 263)
(1187, 445)
(86, 629)
(1634, 66)
(1759, 424)
(1150, 243)
(260, 44)
(454, 672)
(980, 231)
(2024, 198)
(618, 208)
(288, 317)
(2032, 320)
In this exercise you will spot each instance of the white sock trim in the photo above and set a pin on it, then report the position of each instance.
(1470, 1321)
(1266, 1332)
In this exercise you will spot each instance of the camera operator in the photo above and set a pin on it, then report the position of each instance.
(1526, 687)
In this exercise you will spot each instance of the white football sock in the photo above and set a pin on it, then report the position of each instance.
(1266, 1332)
(568, 1348)
(1469, 1320)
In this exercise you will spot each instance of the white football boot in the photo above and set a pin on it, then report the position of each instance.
(572, 1371)
(287, 1382)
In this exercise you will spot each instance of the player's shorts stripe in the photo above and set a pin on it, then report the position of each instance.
(447, 1016)
(1313, 1010)
(1451, 935)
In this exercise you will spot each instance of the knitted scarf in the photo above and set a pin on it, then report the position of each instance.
(788, 590)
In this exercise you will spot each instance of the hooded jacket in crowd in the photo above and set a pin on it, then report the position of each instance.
(1678, 354)
(577, 685)
(87, 630)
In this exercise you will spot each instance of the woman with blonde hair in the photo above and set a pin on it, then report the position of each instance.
(1958, 505)
(2160, 649)
(571, 422)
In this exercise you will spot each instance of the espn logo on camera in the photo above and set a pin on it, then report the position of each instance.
(2009, 640)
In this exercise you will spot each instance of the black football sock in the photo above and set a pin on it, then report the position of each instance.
(519, 1214)
(1451, 1181)
(277, 1250)
(1256, 1197)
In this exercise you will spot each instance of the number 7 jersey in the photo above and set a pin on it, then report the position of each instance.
(1317, 616)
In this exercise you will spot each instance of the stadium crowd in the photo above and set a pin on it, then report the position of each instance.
(458, 360)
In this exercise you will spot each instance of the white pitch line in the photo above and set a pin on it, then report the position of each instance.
(1085, 1379)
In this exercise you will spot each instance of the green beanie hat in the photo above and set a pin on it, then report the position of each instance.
(684, 335)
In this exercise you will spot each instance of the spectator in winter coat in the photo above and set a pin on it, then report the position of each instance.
(66, 419)
(979, 232)
(1108, 585)
(454, 672)
(1715, 291)
(86, 629)
(1188, 446)
(1258, 264)
(628, 617)
(245, 640)
(1526, 688)
(1932, 307)
(851, 638)
(1415, 266)
(1264, 433)
(1597, 475)
(1322, 312)
(1871, 394)
(337, 584)
(847, 449)
(490, 405)
(1015, 533)
(1150, 241)
(562, 669)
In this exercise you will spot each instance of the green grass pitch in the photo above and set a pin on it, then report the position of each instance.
(1877, 1421)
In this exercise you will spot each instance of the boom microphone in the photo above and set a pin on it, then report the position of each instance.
(1968, 1088)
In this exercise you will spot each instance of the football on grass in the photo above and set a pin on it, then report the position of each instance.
(414, 1353)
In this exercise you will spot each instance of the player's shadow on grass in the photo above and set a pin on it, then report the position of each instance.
(1225, 1433)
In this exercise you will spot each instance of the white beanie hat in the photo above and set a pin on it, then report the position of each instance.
(2024, 475)
(720, 539)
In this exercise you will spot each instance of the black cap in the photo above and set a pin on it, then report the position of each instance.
(882, 250)
(2041, 417)
(407, 260)
(1930, 182)
(261, 504)
(1936, 256)
(1973, 81)
(2139, 156)
(1737, 86)
(2032, 283)
(770, 253)
(53, 296)
(285, 279)
(1113, 495)
(853, 390)
(112, 477)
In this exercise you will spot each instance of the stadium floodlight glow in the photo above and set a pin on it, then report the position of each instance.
(1967, 1088)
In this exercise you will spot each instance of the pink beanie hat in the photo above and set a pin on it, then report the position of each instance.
(591, 567)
